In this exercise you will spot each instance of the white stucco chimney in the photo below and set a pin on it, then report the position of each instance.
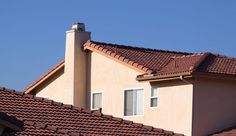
(76, 64)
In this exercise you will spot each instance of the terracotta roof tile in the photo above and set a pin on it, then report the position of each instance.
(186, 63)
(10, 122)
(157, 62)
(42, 116)
(219, 64)
(161, 62)
(145, 58)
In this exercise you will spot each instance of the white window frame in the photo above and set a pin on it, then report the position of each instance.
(153, 97)
(91, 100)
(123, 107)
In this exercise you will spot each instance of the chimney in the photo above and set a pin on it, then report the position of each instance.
(76, 65)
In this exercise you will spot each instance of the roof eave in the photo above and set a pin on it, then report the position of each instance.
(116, 57)
(154, 78)
(45, 77)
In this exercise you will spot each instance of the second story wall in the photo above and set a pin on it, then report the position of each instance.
(214, 105)
(111, 78)
(54, 88)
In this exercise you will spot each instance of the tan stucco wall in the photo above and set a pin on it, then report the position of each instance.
(174, 111)
(70, 84)
(76, 65)
(55, 88)
(214, 106)
(175, 106)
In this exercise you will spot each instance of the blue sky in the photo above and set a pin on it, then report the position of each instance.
(32, 33)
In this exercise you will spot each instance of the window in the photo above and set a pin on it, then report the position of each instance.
(133, 102)
(96, 101)
(153, 102)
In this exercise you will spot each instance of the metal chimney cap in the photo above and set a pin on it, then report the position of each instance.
(78, 26)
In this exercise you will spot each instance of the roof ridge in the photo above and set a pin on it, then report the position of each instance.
(223, 56)
(199, 62)
(94, 113)
(195, 65)
(191, 55)
(136, 47)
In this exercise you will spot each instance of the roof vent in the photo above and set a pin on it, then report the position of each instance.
(78, 26)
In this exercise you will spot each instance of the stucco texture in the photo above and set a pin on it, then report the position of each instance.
(214, 105)
(174, 110)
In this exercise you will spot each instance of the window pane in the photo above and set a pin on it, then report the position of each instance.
(154, 91)
(128, 105)
(97, 100)
(139, 102)
(153, 102)
(133, 104)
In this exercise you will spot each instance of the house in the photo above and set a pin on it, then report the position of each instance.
(28, 115)
(189, 93)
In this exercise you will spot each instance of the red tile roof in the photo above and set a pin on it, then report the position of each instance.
(146, 59)
(155, 63)
(43, 116)
(186, 63)
(10, 122)
(219, 64)
(160, 62)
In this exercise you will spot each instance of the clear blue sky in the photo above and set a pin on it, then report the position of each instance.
(32, 33)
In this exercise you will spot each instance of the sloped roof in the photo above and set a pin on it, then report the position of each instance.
(182, 64)
(10, 122)
(43, 116)
(146, 59)
(160, 62)
(219, 64)
(157, 63)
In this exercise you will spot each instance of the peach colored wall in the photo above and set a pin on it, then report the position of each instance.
(214, 106)
(70, 86)
(76, 66)
(175, 107)
(54, 88)
(174, 111)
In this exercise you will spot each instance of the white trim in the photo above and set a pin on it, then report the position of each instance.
(154, 107)
(123, 101)
(91, 99)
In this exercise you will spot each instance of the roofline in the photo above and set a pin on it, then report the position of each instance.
(154, 78)
(142, 48)
(48, 74)
(89, 46)
(116, 57)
